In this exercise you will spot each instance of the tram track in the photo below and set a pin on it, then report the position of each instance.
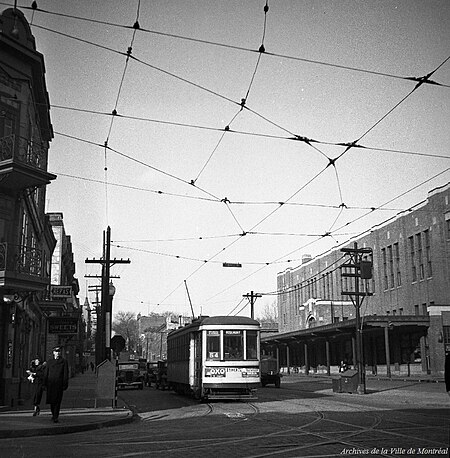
(310, 431)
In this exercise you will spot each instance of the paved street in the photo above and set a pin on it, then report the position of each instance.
(302, 418)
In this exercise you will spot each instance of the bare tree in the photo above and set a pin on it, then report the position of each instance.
(269, 315)
(126, 325)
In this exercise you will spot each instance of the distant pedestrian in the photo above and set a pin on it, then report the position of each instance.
(56, 380)
(36, 377)
(92, 366)
(343, 366)
(447, 372)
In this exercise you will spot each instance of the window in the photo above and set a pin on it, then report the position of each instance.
(397, 264)
(391, 267)
(413, 260)
(446, 332)
(419, 256)
(213, 345)
(251, 345)
(7, 122)
(233, 345)
(426, 235)
(385, 275)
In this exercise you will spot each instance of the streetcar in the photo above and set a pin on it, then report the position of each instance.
(215, 358)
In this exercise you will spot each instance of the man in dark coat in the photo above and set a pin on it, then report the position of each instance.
(56, 380)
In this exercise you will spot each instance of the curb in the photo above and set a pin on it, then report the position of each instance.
(66, 429)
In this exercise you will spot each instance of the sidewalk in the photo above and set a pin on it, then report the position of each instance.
(78, 413)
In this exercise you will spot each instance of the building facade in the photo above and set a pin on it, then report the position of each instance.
(406, 318)
(153, 330)
(66, 324)
(26, 238)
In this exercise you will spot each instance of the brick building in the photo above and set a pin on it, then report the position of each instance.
(405, 323)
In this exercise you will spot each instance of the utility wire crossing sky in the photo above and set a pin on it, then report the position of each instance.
(211, 133)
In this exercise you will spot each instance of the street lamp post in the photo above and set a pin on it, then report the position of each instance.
(108, 319)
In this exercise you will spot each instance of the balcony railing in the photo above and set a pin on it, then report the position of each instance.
(21, 259)
(23, 150)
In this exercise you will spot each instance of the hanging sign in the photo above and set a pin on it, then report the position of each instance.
(60, 291)
(62, 325)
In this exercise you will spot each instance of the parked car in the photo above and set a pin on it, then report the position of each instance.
(129, 375)
(269, 371)
(161, 375)
(152, 368)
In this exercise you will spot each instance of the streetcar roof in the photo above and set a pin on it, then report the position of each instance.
(216, 321)
(226, 320)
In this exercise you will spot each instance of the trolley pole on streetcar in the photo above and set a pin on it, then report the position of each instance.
(252, 298)
(358, 267)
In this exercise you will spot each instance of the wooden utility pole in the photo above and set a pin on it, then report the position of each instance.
(252, 298)
(104, 319)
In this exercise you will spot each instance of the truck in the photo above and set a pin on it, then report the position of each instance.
(270, 373)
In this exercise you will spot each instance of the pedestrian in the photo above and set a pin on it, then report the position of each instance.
(343, 366)
(36, 377)
(92, 366)
(447, 372)
(56, 380)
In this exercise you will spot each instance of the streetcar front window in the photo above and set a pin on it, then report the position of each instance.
(213, 345)
(252, 345)
(233, 345)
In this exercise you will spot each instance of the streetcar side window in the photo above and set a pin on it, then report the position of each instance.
(233, 345)
(252, 345)
(213, 345)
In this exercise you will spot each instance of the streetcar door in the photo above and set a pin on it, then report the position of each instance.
(197, 363)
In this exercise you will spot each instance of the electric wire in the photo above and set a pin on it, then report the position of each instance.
(234, 47)
(419, 81)
(254, 134)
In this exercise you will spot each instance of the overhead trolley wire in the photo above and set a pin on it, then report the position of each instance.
(239, 132)
(128, 54)
(348, 146)
(140, 162)
(235, 47)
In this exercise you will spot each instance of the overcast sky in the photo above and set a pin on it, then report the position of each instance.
(191, 169)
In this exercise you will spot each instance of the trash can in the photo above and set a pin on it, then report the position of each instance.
(349, 381)
(337, 385)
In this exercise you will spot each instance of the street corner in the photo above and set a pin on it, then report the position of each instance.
(23, 424)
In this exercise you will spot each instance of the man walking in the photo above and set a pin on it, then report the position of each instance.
(56, 380)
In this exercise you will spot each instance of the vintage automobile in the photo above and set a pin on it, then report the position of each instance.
(129, 375)
(161, 376)
(152, 369)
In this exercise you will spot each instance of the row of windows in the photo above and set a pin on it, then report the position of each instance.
(390, 257)
(231, 345)
(221, 345)
(419, 259)
(420, 253)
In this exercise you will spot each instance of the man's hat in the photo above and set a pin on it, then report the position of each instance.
(57, 348)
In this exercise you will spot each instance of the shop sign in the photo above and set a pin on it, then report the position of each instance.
(60, 291)
(62, 325)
